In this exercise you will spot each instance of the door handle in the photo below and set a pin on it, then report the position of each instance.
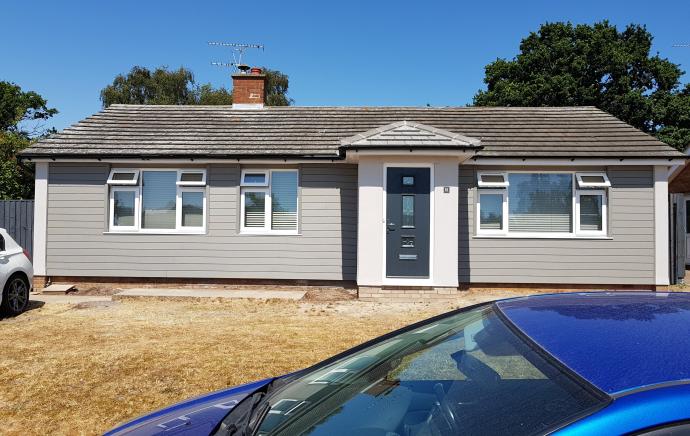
(391, 226)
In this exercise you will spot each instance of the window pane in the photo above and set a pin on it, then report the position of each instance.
(284, 200)
(591, 212)
(254, 178)
(408, 211)
(123, 208)
(540, 203)
(254, 209)
(687, 216)
(491, 211)
(408, 180)
(191, 177)
(593, 179)
(123, 176)
(158, 194)
(492, 178)
(192, 209)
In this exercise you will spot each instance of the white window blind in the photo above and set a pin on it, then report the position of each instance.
(284, 200)
(254, 209)
(540, 202)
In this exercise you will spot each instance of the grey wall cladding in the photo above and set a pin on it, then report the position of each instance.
(626, 258)
(79, 245)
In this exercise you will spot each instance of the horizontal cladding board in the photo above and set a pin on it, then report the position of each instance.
(122, 268)
(212, 262)
(276, 251)
(564, 280)
(193, 273)
(507, 273)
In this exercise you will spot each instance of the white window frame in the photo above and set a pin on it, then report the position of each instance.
(483, 184)
(506, 233)
(191, 183)
(582, 184)
(504, 224)
(132, 182)
(604, 212)
(111, 221)
(178, 211)
(266, 173)
(266, 230)
(139, 200)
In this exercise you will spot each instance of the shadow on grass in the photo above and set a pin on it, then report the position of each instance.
(33, 304)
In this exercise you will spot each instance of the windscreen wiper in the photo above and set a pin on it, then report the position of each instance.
(246, 416)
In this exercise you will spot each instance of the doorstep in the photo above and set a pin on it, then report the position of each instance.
(208, 293)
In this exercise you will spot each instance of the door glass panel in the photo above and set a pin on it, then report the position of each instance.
(408, 211)
(408, 180)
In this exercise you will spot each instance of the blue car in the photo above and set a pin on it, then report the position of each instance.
(570, 364)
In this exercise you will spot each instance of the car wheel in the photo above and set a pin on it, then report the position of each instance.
(15, 296)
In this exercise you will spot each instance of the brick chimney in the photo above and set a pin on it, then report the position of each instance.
(248, 89)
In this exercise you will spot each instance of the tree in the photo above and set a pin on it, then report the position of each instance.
(574, 65)
(162, 86)
(18, 109)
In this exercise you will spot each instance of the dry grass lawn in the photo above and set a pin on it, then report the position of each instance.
(68, 369)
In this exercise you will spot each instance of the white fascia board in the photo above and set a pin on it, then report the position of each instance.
(575, 162)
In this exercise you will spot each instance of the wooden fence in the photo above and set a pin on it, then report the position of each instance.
(17, 217)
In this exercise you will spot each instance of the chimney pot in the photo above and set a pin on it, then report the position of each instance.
(256, 70)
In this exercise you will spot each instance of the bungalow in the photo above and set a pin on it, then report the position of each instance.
(401, 201)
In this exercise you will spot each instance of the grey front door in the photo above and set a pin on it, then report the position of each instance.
(407, 222)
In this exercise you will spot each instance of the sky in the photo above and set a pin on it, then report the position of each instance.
(336, 53)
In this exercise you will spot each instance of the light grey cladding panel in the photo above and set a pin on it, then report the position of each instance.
(324, 250)
(627, 258)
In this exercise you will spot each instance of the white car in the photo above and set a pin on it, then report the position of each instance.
(16, 276)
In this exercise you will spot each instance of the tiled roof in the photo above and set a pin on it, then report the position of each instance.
(220, 131)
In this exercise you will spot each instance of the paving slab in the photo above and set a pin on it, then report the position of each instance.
(68, 299)
(57, 289)
(210, 293)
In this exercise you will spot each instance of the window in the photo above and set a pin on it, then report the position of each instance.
(123, 204)
(254, 178)
(542, 204)
(491, 207)
(492, 180)
(473, 364)
(592, 180)
(165, 201)
(123, 177)
(591, 212)
(269, 201)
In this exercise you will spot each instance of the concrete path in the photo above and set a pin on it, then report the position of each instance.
(210, 293)
(68, 299)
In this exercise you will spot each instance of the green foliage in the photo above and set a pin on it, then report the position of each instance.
(162, 86)
(276, 88)
(566, 65)
(20, 116)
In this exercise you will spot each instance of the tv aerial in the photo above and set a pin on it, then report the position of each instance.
(238, 50)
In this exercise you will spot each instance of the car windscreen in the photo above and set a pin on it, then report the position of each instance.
(468, 373)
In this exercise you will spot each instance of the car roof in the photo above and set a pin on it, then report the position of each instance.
(618, 341)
